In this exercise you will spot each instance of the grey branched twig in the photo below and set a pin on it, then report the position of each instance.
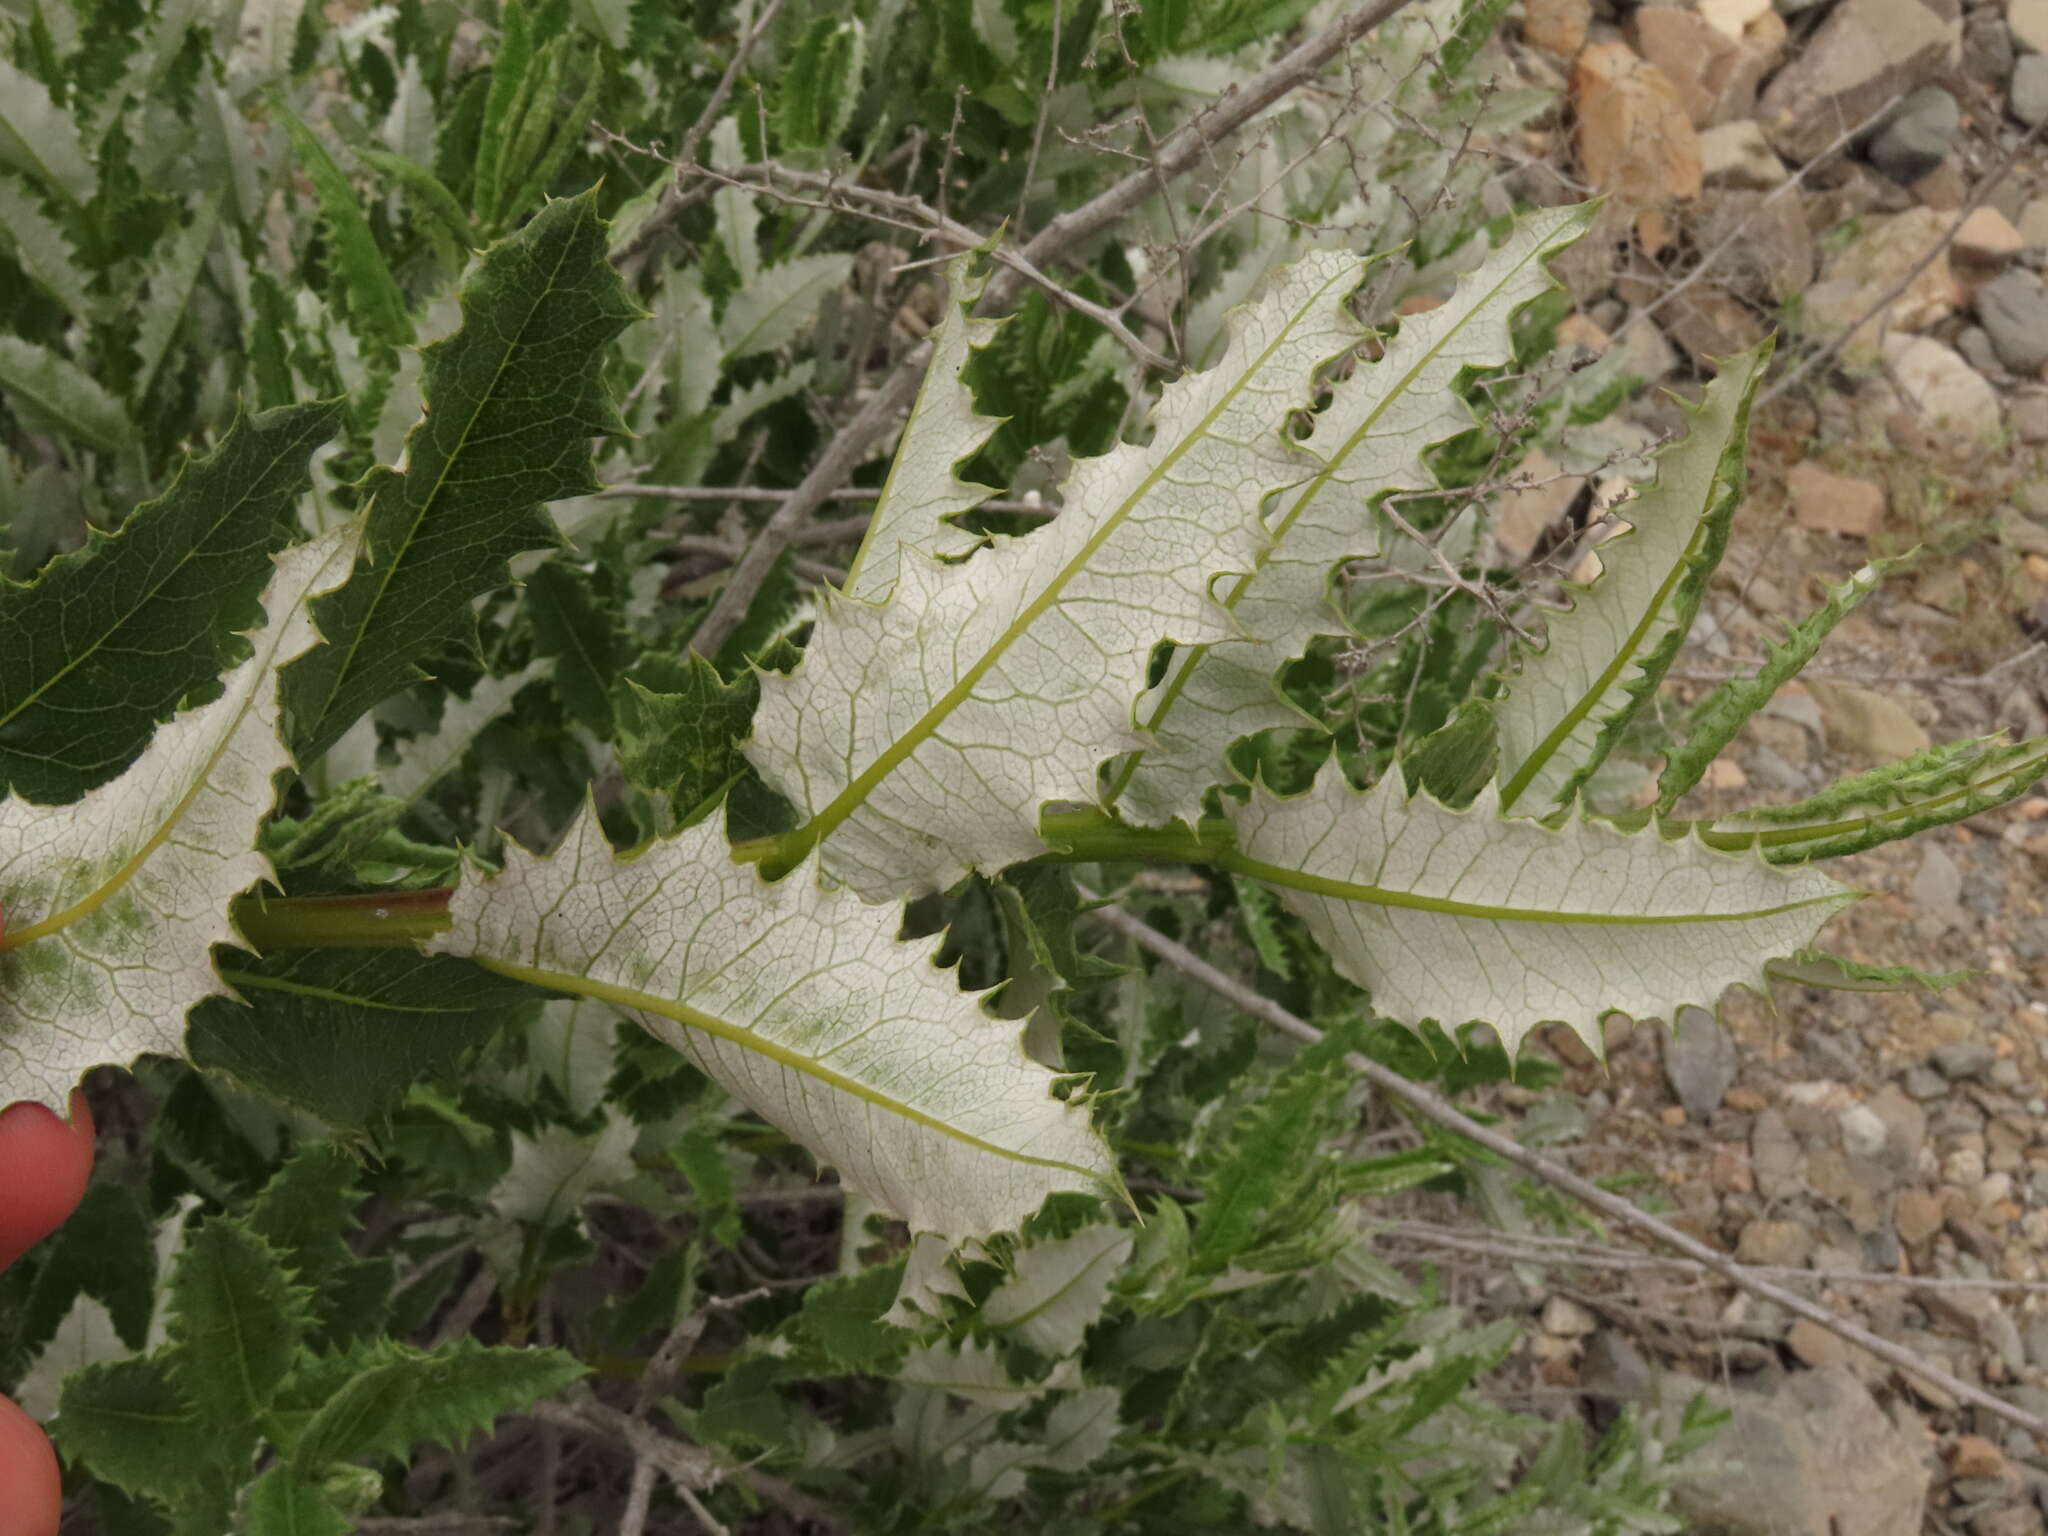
(1441, 1112)
(1179, 152)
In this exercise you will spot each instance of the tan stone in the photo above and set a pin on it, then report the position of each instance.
(1760, 241)
(1814, 1345)
(1950, 396)
(2034, 223)
(1867, 54)
(1733, 18)
(1853, 287)
(1988, 235)
(1867, 723)
(1575, 330)
(1736, 155)
(1715, 76)
(1831, 503)
(1557, 26)
(1634, 137)
(1916, 1216)
(2029, 22)
(1523, 516)
(1974, 1456)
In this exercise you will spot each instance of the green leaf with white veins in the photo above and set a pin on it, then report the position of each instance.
(802, 1004)
(113, 903)
(1370, 439)
(1455, 915)
(1606, 654)
(923, 734)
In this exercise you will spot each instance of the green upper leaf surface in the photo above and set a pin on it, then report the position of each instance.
(107, 640)
(236, 1322)
(513, 399)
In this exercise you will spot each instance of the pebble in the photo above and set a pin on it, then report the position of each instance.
(1864, 1132)
(1960, 1059)
(1916, 138)
(1567, 1319)
(2028, 93)
(2029, 22)
(1923, 1084)
(1974, 1456)
(1784, 1243)
(2013, 309)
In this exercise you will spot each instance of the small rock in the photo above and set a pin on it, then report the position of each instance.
(1830, 503)
(1867, 723)
(1784, 1244)
(1987, 235)
(1566, 1319)
(1814, 1345)
(1634, 138)
(1916, 138)
(1863, 1133)
(1916, 1217)
(2028, 20)
(1987, 48)
(1733, 18)
(1960, 1060)
(2013, 1520)
(1905, 1127)
(1700, 1062)
(1557, 26)
(2027, 95)
(1922, 1084)
(2036, 1341)
(1975, 345)
(1774, 1157)
(1974, 1456)
(1736, 155)
(1816, 1456)
(1716, 76)
(1614, 1368)
(1865, 54)
(1855, 282)
(2013, 308)
(2034, 217)
(1951, 396)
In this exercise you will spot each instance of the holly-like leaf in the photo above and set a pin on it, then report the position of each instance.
(50, 393)
(112, 905)
(802, 1003)
(680, 729)
(1462, 915)
(384, 1398)
(132, 1426)
(107, 640)
(236, 1323)
(922, 735)
(342, 1034)
(513, 398)
(281, 1503)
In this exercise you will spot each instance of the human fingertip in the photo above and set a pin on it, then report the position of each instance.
(33, 1487)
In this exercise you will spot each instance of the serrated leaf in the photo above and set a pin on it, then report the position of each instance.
(375, 307)
(1716, 719)
(236, 1323)
(425, 759)
(112, 904)
(802, 1004)
(265, 37)
(780, 304)
(304, 1213)
(1057, 1289)
(129, 1423)
(43, 250)
(502, 105)
(107, 640)
(821, 82)
(102, 1251)
(41, 138)
(53, 394)
(394, 1397)
(553, 1173)
(989, 688)
(846, 1317)
(1371, 438)
(1080, 1429)
(1604, 656)
(343, 1034)
(683, 741)
(281, 1503)
(923, 491)
(1462, 915)
(514, 398)
(573, 627)
(977, 1372)
(171, 282)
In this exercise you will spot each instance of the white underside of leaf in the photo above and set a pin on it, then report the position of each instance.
(1461, 915)
(802, 1004)
(1556, 709)
(134, 880)
(425, 759)
(924, 734)
(1370, 439)
(1059, 1288)
(922, 490)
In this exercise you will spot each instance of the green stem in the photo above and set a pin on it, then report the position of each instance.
(393, 920)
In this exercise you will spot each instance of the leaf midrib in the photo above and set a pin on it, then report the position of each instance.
(886, 762)
(748, 1039)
